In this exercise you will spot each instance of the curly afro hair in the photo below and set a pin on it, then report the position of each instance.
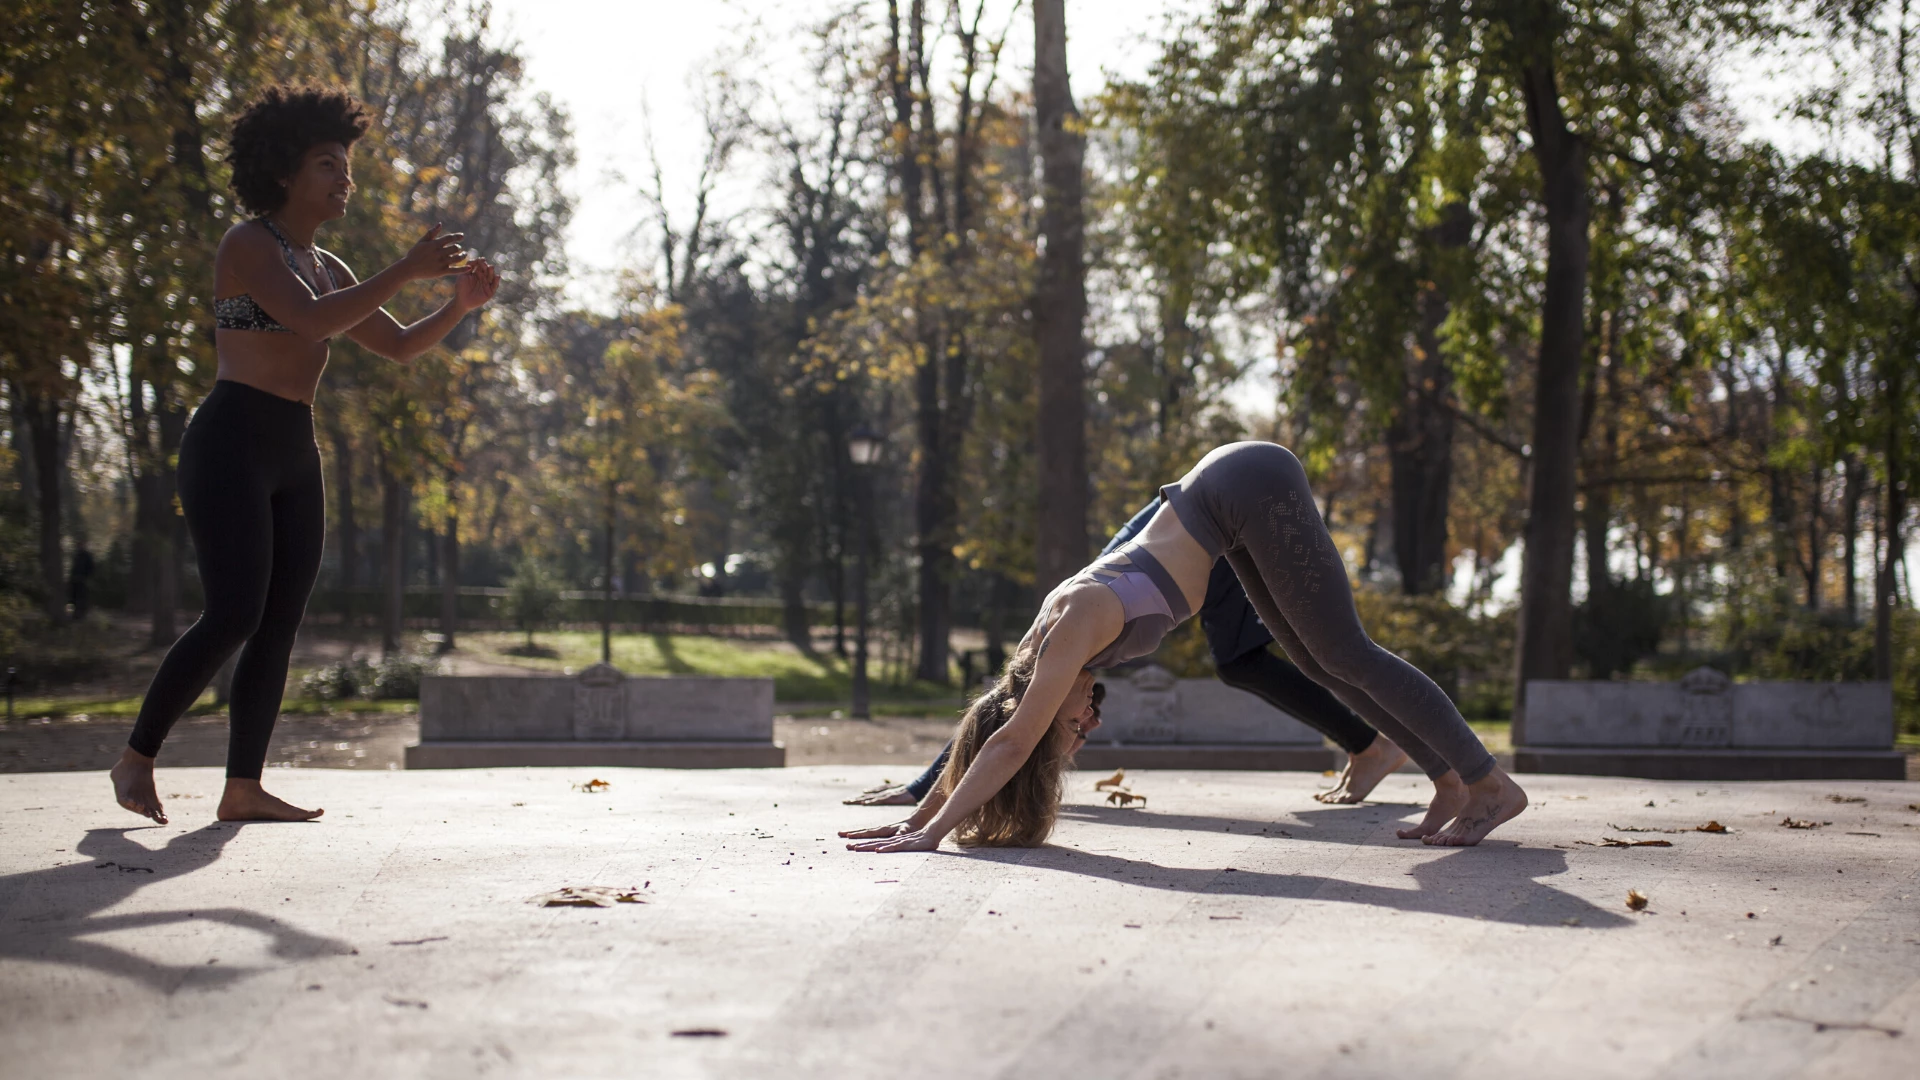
(278, 128)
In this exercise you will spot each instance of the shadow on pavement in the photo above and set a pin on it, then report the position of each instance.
(1493, 881)
(54, 910)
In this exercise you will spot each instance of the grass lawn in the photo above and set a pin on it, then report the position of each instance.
(822, 679)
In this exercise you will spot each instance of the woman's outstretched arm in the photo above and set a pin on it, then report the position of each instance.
(259, 262)
(1091, 619)
(383, 334)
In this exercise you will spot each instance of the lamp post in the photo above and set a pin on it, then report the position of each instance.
(864, 446)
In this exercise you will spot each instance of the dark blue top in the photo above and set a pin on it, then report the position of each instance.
(1227, 616)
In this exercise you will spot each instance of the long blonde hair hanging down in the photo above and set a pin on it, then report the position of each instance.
(1023, 812)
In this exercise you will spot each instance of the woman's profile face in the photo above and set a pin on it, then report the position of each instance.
(1079, 700)
(320, 186)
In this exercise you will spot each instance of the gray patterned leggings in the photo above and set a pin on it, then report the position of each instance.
(1250, 502)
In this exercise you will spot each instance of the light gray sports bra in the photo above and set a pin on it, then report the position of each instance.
(1150, 601)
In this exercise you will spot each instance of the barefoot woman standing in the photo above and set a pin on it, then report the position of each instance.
(249, 472)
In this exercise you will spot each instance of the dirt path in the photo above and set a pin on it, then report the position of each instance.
(379, 740)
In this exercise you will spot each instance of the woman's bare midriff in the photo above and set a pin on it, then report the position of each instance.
(1167, 540)
(280, 364)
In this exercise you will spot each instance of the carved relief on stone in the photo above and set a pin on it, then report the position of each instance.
(1157, 710)
(600, 704)
(1825, 711)
(1706, 719)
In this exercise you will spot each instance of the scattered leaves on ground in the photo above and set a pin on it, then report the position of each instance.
(592, 786)
(589, 896)
(1636, 900)
(1118, 779)
(1711, 826)
(1796, 823)
(1846, 798)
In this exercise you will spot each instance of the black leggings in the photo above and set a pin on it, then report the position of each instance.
(251, 492)
(1288, 689)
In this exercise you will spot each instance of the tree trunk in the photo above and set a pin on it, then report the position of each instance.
(1852, 497)
(1545, 638)
(1813, 539)
(793, 614)
(450, 582)
(140, 552)
(348, 532)
(1420, 433)
(42, 414)
(393, 546)
(1060, 310)
(170, 528)
(1893, 546)
(933, 542)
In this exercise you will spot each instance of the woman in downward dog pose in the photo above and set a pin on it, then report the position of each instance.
(249, 472)
(1238, 643)
(1248, 502)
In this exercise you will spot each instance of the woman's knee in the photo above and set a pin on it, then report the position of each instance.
(227, 626)
(1353, 662)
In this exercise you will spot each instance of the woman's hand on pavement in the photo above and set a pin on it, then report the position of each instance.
(894, 795)
(916, 840)
(878, 831)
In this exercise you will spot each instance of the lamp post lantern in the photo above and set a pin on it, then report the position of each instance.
(864, 447)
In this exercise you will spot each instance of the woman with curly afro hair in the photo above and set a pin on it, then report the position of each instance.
(249, 472)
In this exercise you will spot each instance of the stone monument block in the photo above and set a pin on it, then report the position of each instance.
(1708, 727)
(598, 717)
(1151, 719)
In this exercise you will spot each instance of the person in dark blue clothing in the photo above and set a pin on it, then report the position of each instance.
(1238, 643)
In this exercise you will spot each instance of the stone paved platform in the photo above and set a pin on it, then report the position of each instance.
(1231, 928)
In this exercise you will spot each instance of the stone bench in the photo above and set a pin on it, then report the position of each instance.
(598, 717)
(1151, 719)
(1708, 727)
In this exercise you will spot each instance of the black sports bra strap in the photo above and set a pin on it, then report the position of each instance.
(319, 265)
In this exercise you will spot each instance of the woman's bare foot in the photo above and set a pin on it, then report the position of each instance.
(246, 800)
(884, 795)
(1364, 772)
(1491, 801)
(1449, 796)
(133, 785)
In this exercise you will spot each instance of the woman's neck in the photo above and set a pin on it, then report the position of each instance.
(298, 228)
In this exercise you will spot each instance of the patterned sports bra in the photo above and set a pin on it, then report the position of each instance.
(243, 313)
(1150, 602)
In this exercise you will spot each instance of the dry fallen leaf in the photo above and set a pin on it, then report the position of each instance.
(1118, 778)
(1847, 798)
(1122, 797)
(592, 786)
(1711, 826)
(1795, 823)
(1614, 841)
(589, 896)
(1636, 900)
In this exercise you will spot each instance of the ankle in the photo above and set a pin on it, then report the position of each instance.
(135, 759)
